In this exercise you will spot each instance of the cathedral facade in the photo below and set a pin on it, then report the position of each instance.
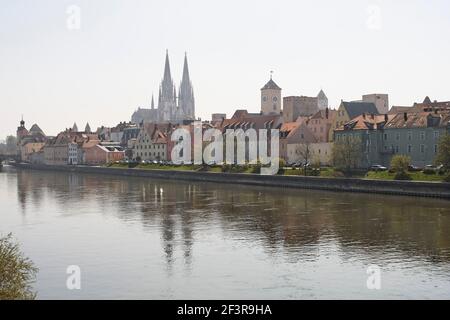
(173, 106)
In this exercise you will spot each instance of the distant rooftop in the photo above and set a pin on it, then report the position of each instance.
(271, 85)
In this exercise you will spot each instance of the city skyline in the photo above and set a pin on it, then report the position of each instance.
(110, 66)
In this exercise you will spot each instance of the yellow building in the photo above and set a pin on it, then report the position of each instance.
(350, 110)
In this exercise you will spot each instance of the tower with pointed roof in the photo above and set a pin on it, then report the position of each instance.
(75, 127)
(21, 131)
(186, 101)
(271, 98)
(322, 100)
(167, 101)
(87, 129)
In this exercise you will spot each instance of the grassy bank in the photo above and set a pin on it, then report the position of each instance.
(324, 172)
(415, 176)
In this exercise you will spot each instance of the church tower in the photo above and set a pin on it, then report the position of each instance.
(322, 100)
(271, 98)
(21, 131)
(167, 102)
(186, 100)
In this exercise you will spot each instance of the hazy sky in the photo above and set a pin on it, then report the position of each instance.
(55, 75)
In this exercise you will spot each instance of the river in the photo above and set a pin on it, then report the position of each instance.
(139, 238)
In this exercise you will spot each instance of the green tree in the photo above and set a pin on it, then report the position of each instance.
(17, 273)
(347, 153)
(400, 164)
(443, 155)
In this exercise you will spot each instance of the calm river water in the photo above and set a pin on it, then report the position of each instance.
(138, 238)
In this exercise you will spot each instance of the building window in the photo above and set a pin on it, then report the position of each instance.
(422, 148)
(436, 134)
(397, 137)
(435, 148)
(385, 136)
(396, 149)
(422, 135)
(409, 135)
(409, 148)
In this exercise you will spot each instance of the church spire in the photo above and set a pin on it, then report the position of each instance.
(166, 99)
(186, 70)
(167, 75)
(186, 93)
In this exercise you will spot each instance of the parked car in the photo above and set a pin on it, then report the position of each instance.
(430, 168)
(413, 168)
(377, 167)
(301, 164)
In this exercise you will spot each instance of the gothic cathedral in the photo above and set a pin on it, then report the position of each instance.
(171, 108)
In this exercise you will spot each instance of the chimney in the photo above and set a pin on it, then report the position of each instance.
(326, 113)
(385, 118)
(405, 116)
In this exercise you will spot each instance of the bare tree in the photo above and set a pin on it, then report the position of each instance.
(347, 153)
(305, 153)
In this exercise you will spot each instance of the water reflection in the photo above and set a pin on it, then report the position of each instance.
(280, 221)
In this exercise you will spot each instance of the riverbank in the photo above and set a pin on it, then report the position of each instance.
(405, 188)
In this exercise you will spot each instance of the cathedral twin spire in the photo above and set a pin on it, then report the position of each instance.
(168, 108)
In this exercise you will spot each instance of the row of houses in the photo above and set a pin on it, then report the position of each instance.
(70, 147)
(414, 132)
(302, 122)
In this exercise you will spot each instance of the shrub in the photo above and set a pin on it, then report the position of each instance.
(315, 172)
(447, 177)
(17, 272)
(400, 163)
(428, 171)
(402, 175)
(133, 164)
